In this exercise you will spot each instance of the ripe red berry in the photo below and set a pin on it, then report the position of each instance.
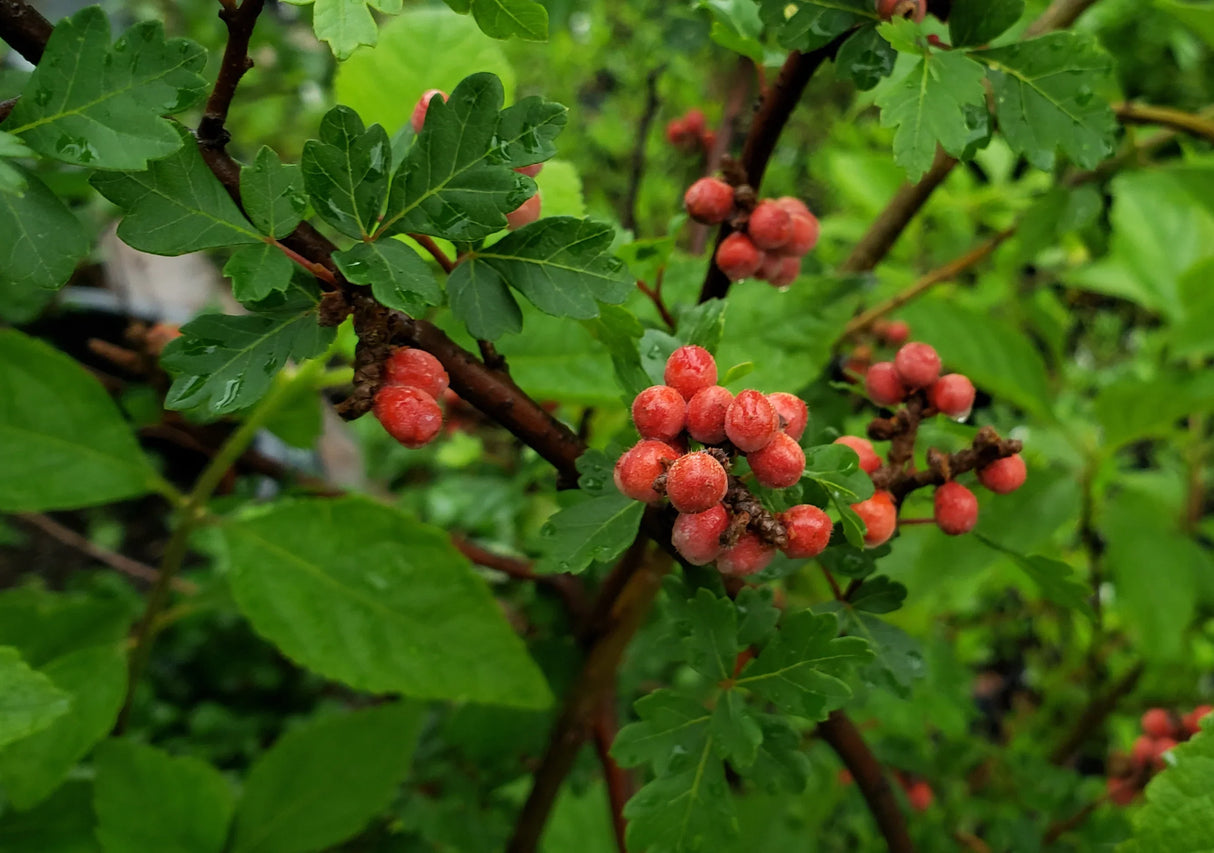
(638, 467)
(423, 105)
(417, 368)
(530, 171)
(751, 554)
(920, 796)
(955, 509)
(883, 385)
(771, 267)
(738, 257)
(1162, 746)
(677, 133)
(1143, 751)
(709, 200)
(916, 10)
(524, 214)
(953, 395)
(793, 206)
(1192, 720)
(694, 121)
(1157, 723)
(706, 414)
(917, 365)
(708, 140)
(808, 531)
(805, 232)
(787, 271)
(696, 482)
(751, 421)
(880, 518)
(770, 226)
(780, 464)
(869, 460)
(1004, 475)
(794, 414)
(1121, 791)
(410, 415)
(697, 535)
(690, 369)
(659, 412)
(892, 332)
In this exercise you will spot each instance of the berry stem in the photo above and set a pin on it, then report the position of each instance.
(834, 585)
(438, 254)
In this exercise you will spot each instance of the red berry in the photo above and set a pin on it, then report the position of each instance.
(694, 121)
(892, 332)
(751, 421)
(1004, 475)
(953, 395)
(917, 365)
(738, 257)
(805, 231)
(697, 535)
(916, 10)
(883, 385)
(1192, 720)
(709, 200)
(772, 264)
(793, 206)
(530, 171)
(524, 214)
(780, 464)
(869, 460)
(794, 414)
(770, 226)
(1143, 751)
(659, 412)
(751, 554)
(956, 509)
(920, 796)
(423, 105)
(706, 414)
(410, 415)
(1121, 791)
(696, 482)
(808, 531)
(676, 132)
(708, 140)
(787, 271)
(417, 368)
(690, 369)
(638, 467)
(880, 518)
(1162, 746)
(1157, 723)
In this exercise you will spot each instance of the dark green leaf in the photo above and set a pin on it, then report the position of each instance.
(781, 764)
(398, 277)
(619, 331)
(481, 301)
(1056, 579)
(272, 194)
(62, 823)
(671, 726)
(526, 130)
(757, 615)
(598, 529)
(346, 172)
(44, 625)
(595, 472)
(12, 177)
(878, 595)
(853, 561)
(683, 811)
(43, 239)
(1179, 814)
(814, 23)
(703, 324)
(29, 701)
(866, 58)
(346, 24)
(974, 22)
(709, 626)
(898, 660)
(257, 270)
(502, 19)
(735, 732)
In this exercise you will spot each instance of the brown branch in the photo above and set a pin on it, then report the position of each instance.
(1094, 715)
(1190, 123)
(636, 170)
(619, 782)
(1058, 16)
(566, 586)
(438, 254)
(655, 296)
(24, 29)
(240, 23)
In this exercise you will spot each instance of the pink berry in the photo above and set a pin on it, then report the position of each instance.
(770, 226)
(697, 535)
(883, 385)
(690, 369)
(953, 395)
(738, 257)
(423, 105)
(1004, 475)
(780, 464)
(869, 460)
(706, 414)
(638, 467)
(530, 171)
(805, 231)
(880, 518)
(956, 509)
(808, 530)
(1192, 720)
(696, 482)
(793, 206)
(751, 554)
(410, 415)
(709, 200)
(794, 414)
(659, 412)
(524, 214)
(751, 421)
(787, 272)
(417, 368)
(917, 365)
(1157, 723)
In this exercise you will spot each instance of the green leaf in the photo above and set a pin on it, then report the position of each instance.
(320, 783)
(898, 657)
(736, 26)
(598, 529)
(1189, 336)
(851, 561)
(703, 324)
(29, 701)
(62, 823)
(735, 731)
(346, 24)
(12, 178)
(1134, 409)
(94, 105)
(1045, 98)
(502, 19)
(1055, 578)
(878, 595)
(526, 131)
(683, 811)
(364, 594)
(45, 625)
(619, 331)
(176, 206)
(44, 240)
(193, 801)
(709, 626)
(757, 615)
(258, 270)
(32, 768)
(1179, 814)
(63, 442)
(671, 725)
(808, 24)
(975, 22)
(272, 194)
(781, 763)
(926, 106)
(346, 172)
(1199, 17)
(398, 277)
(866, 57)
(222, 363)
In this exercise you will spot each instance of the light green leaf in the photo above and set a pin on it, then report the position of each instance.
(501, 19)
(1179, 814)
(272, 194)
(12, 178)
(1134, 409)
(44, 240)
(346, 24)
(29, 701)
(1055, 578)
(598, 529)
(1198, 16)
(398, 277)
(257, 270)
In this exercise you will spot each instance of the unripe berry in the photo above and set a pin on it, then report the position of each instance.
(920, 796)
(1004, 475)
(706, 414)
(955, 509)
(953, 395)
(1157, 723)
(916, 10)
(805, 232)
(780, 464)
(410, 415)
(770, 226)
(738, 257)
(696, 482)
(751, 554)
(423, 105)
(1192, 720)
(751, 421)
(794, 414)
(690, 369)
(530, 171)
(786, 273)
(417, 368)
(869, 460)
(808, 530)
(917, 365)
(883, 385)
(880, 518)
(697, 536)
(709, 200)
(659, 412)
(524, 214)
(638, 467)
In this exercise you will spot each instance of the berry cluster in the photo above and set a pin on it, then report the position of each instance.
(1161, 731)
(719, 519)
(689, 133)
(770, 236)
(407, 402)
(919, 794)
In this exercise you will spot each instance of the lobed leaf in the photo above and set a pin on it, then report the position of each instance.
(346, 172)
(597, 529)
(346, 24)
(398, 277)
(272, 194)
(1179, 814)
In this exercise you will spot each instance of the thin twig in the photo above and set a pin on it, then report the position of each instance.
(438, 254)
(619, 782)
(655, 296)
(636, 170)
(564, 585)
(1190, 123)
(24, 29)
(236, 61)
